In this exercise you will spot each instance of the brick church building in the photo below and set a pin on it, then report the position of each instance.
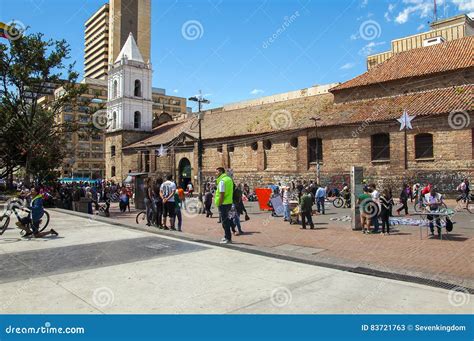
(352, 124)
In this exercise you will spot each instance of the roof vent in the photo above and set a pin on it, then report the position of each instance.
(433, 41)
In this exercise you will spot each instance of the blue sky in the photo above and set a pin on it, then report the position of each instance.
(242, 49)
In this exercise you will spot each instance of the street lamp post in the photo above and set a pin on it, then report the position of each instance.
(200, 100)
(318, 165)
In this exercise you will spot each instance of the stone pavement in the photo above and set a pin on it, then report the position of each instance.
(96, 267)
(333, 242)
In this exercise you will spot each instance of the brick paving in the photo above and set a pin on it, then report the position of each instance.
(403, 252)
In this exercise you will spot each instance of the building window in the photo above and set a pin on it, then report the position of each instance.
(423, 146)
(115, 89)
(230, 148)
(315, 150)
(114, 120)
(137, 120)
(138, 89)
(112, 150)
(267, 144)
(254, 146)
(112, 171)
(380, 147)
(294, 142)
(147, 161)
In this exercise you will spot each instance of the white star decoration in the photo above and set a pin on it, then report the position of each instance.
(161, 151)
(405, 121)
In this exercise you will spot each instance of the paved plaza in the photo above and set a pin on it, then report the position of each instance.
(98, 267)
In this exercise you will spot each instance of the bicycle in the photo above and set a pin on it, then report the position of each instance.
(141, 217)
(466, 202)
(339, 202)
(13, 208)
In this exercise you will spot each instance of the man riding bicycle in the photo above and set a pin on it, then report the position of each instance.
(33, 220)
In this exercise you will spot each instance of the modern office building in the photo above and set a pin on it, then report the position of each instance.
(97, 44)
(441, 31)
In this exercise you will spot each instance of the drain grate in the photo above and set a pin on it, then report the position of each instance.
(412, 279)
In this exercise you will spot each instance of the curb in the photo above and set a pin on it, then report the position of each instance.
(277, 254)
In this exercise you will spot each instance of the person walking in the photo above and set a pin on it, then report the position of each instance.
(148, 201)
(320, 198)
(208, 202)
(404, 195)
(286, 203)
(167, 190)
(223, 201)
(386, 203)
(376, 199)
(239, 209)
(177, 211)
(158, 202)
(365, 200)
(306, 207)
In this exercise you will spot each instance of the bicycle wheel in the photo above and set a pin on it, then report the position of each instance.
(141, 217)
(338, 202)
(44, 221)
(4, 221)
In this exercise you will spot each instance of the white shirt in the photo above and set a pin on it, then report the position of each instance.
(221, 186)
(375, 195)
(167, 188)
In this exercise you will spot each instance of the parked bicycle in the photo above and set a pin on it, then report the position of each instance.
(339, 202)
(141, 217)
(13, 208)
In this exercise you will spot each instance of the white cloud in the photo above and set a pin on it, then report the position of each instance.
(464, 5)
(175, 91)
(391, 7)
(387, 16)
(420, 27)
(354, 36)
(364, 3)
(423, 8)
(347, 66)
(256, 92)
(370, 48)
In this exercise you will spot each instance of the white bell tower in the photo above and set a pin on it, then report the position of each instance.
(129, 104)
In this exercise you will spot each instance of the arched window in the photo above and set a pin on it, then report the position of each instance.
(380, 147)
(423, 146)
(254, 146)
(114, 120)
(267, 144)
(137, 120)
(138, 88)
(112, 171)
(115, 89)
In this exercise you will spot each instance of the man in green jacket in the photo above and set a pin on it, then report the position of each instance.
(306, 207)
(223, 201)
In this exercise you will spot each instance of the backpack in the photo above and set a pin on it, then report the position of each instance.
(449, 224)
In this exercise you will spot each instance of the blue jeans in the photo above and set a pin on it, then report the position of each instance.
(375, 222)
(149, 210)
(226, 223)
(237, 222)
(320, 205)
(179, 216)
(286, 211)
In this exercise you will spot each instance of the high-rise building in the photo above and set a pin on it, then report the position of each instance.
(97, 44)
(129, 16)
(441, 30)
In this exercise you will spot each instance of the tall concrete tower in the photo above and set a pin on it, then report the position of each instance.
(125, 17)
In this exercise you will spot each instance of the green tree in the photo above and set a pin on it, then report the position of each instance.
(30, 137)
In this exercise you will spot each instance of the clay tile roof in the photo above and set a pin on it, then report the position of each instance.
(295, 114)
(453, 55)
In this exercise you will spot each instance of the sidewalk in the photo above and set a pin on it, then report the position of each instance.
(333, 242)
